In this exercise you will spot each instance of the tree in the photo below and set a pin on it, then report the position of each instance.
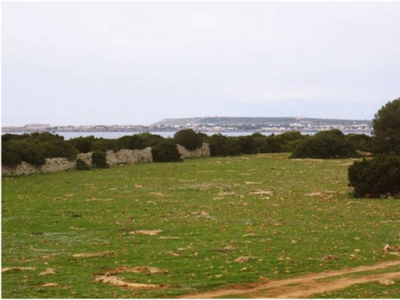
(387, 128)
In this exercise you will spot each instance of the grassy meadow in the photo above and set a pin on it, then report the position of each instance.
(215, 222)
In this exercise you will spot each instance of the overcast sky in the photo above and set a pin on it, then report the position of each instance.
(136, 63)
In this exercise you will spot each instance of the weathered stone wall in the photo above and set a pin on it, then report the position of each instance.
(129, 156)
(204, 151)
(53, 165)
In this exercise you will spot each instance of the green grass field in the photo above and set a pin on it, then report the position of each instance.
(222, 221)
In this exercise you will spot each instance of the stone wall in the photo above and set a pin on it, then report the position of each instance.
(53, 165)
(204, 151)
(113, 158)
(129, 156)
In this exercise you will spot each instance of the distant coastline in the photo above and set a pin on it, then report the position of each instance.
(231, 125)
(117, 134)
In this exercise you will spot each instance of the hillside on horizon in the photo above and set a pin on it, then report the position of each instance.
(234, 121)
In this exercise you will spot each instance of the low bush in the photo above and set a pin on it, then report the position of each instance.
(361, 142)
(82, 165)
(247, 145)
(16, 151)
(166, 151)
(189, 139)
(376, 177)
(325, 144)
(221, 145)
(99, 160)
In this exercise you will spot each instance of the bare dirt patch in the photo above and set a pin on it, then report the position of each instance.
(146, 232)
(48, 271)
(138, 270)
(97, 254)
(17, 269)
(115, 280)
(304, 286)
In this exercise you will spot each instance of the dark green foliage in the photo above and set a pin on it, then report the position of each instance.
(99, 160)
(83, 144)
(166, 151)
(284, 142)
(247, 145)
(325, 144)
(189, 139)
(57, 149)
(137, 141)
(9, 158)
(16, 151)
(387, 128)
(377, 177)
(9, 136)
(361, 142)
(82, 165)
(221, 145)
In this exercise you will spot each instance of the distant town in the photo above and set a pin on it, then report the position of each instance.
(212, 124)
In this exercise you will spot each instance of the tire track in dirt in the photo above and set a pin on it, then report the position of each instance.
(304, 285)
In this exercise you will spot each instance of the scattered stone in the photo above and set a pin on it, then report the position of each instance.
(50, 284)
(330, 257)
(250, 235)
(262, 193)
(47, 272)
(169, 238)
(386, 282)
(242, 259)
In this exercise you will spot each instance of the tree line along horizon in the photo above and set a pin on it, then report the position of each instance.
(375, 177)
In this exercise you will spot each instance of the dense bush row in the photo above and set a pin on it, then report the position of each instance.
(34, 148)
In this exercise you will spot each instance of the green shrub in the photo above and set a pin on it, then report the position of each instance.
(377, 177)
(99, 160)
(82, 165)
(221, 145)
(325, 144)
(247, 145)
(9, 158)
(57, 149)
(361, 142)
(166, 151)
(22, 150)
(83, 144)
(189, 139)
(137, 141)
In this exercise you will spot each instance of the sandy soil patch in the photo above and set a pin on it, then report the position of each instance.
(146, 232)
(17, 269)
(115, 280)
(307, 285)
(97, 254)
(47, 272)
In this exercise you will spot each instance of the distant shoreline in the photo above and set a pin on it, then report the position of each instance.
(118, 134)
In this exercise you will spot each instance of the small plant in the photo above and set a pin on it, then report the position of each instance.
(82, 165)
(377, 177)
(99, 160)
